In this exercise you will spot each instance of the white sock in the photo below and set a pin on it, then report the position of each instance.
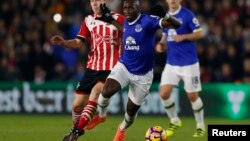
(197, 107)
(127, 122)
(103, 104)
(170, 108)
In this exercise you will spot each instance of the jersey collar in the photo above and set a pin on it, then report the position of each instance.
(131, 23)
(176, 12)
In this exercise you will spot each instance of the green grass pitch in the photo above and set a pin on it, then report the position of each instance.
(54, 127)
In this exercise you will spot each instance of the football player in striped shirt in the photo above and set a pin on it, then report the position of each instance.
(182, 64)
(104, 54)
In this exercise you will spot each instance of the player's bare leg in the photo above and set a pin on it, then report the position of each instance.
(79, 102)
(110, 88)
(91, 108)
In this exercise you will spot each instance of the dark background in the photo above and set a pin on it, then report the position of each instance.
(27, 25)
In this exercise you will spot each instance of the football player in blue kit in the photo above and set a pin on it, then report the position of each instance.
(182, 64)
(135, 66)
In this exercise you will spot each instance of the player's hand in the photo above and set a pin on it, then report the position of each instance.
(106, 14)
(57, 40)
(160, 48)
(178, 38)
(158, 10)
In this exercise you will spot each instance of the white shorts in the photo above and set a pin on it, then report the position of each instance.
(138, 84)
(190, 75)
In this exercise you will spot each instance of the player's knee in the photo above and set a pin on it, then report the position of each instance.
(106, 92)
(110, 88)
(165, 94)
(193, 96)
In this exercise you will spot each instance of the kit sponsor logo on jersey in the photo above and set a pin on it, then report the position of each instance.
(130, 44)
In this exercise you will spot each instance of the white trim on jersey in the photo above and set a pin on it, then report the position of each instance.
(135, 20)
(160, 22)
(98, 49)
(176, 12)
(104, 52)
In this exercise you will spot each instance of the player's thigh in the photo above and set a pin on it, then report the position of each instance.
(191, 79)
(82, 91)
(139, 87)
(96, 90)
(87, 82)
(120, 74)
(89, 87)
(100, 77)
(170, 76)
(111, 86)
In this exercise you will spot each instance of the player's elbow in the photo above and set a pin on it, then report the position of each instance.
(78, 43)
(199, 34)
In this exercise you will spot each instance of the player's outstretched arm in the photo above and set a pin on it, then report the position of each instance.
(168, 20)
(73, 44)
(108, 18)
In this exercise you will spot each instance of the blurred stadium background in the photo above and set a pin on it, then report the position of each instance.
(37, 79)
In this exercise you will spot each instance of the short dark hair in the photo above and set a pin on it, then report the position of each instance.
(136, 2)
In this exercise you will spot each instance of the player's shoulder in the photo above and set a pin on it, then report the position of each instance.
(89, 17)
(187, 11)
(149, 17)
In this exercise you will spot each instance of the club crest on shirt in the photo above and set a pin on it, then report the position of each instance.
(138, 28)
(130, 44)
(171, 32)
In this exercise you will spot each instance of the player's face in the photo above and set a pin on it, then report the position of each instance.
(130, 10)
(95, 5)
(173, 4)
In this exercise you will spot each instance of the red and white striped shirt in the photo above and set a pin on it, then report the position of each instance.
(104, 50)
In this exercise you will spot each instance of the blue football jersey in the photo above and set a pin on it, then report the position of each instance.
(139, 41)
(182, 53)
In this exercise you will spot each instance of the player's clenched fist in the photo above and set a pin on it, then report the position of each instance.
(58, 40)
